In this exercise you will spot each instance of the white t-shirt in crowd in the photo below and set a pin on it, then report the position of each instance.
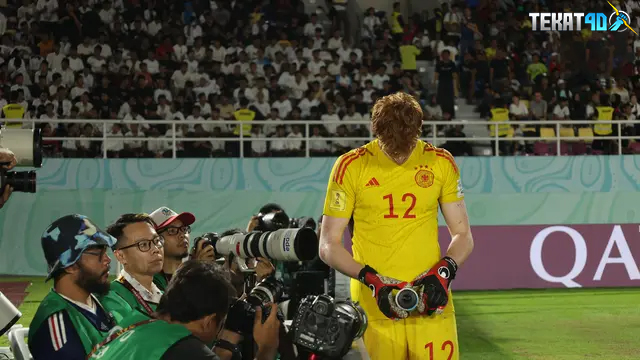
(518, 110)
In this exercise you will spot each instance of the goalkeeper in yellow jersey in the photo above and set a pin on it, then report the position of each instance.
(392, 187)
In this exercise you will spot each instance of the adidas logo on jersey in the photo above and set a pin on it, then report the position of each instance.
(373, 182)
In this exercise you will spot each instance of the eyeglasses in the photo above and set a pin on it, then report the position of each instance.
(145, 245)
(174, 230)
(99, 253)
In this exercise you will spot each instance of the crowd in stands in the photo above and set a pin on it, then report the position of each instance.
(210, 60)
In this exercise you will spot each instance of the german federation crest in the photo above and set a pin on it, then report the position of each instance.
(424, 177)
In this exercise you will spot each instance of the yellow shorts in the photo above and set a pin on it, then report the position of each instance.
(414, 338)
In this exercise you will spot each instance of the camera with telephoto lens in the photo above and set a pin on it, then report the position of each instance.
(209, 239)
(280, 220)
(267, 291)
(242, 312)
(327, 328)
(284, 244)
(26, 145)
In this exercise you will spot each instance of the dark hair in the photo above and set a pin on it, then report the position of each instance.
(197, 289)
(117, 228)
(270, 207)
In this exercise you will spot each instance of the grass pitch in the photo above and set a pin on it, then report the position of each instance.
(578, 324)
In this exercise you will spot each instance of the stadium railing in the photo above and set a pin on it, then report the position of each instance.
(492, 139)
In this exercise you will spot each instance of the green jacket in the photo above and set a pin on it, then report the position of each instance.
(53, 303)
(145, 342)
(120, 302)
(161, 281)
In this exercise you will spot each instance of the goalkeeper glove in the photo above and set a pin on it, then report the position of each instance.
(382, 288)
(433, 286)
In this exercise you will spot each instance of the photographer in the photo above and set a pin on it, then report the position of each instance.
(263, 269)
(8, 161)
(70, 320)
(175, 229)
(140, 251)
(190, 315)
(300, 278)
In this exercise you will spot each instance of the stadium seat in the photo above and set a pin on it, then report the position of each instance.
(567, 133)
(564, 148)
(578, 148)
(541, 148)
(585, 133)
(635, 147)
(18, 344)
(5, 353)
(547, 133)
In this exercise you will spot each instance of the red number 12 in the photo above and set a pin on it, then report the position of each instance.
(445, 345)
(407, 214)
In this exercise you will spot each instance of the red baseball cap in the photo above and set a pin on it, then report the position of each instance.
(164, 216)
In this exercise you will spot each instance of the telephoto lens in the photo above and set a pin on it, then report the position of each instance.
(282, 245)
(407, 299)
(267, 291)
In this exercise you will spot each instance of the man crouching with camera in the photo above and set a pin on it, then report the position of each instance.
(191, 314)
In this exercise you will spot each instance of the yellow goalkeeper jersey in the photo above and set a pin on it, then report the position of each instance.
(394, 209)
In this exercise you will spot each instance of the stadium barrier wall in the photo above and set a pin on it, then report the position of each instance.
(511, 202)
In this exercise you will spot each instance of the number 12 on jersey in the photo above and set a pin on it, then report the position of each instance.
(406, 198)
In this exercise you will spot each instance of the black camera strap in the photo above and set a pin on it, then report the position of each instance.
(236, 353)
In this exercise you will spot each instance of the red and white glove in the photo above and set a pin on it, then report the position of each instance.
(383, 288)
(433, 286)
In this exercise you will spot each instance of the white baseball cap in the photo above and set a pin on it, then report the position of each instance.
(164, 216)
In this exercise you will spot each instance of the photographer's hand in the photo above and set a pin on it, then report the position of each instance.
(264, 268)
(204, 251)
(267, 335)
(253, 223)
(8, 159)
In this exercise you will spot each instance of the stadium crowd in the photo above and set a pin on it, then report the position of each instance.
(270, 61)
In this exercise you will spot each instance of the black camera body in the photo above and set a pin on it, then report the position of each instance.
(24, 181)
(272, 221)
(243, 312)
(303, 222)
(326, 327)
(209, 238)
(280, 220)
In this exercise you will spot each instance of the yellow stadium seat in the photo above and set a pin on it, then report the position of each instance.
(547, 133)
(567, 133)
(585, 133)
(511, 132)
(526, 103)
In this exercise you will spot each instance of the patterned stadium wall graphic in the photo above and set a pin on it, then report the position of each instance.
(223, 193)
